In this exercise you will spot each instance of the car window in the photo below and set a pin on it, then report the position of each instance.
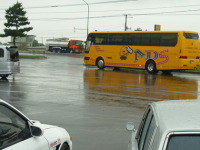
(146, 130)
(149, 134)
(184, 142)
(1, 52)
(13, 128)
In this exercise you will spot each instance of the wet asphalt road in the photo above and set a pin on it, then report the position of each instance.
(93, 105)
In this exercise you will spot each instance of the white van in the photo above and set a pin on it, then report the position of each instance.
(9, 61)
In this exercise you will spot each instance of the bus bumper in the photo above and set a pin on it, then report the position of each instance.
(189, 63)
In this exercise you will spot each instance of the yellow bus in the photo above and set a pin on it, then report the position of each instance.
(150, 50)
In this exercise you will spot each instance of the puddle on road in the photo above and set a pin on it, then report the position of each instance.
(136, 88)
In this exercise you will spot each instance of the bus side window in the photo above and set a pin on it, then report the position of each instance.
(145, 39)
(92, 40)
(101, 39)
(116, 39)
(136, 39)
(1, 52)
(169, 39)
(129, 39)
(155, 39)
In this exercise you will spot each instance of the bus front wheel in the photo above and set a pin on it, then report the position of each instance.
(100, 63)
(151, 67)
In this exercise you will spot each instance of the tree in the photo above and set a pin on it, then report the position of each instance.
(16, 24)
(35, 43)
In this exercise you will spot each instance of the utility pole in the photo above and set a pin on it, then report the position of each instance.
(87, 16)
(126, 17)
(125, 28)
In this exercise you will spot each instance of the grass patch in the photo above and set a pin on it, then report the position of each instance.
(32, 56)
(195, 70)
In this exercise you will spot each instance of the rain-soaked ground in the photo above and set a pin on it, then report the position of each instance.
(93, 105)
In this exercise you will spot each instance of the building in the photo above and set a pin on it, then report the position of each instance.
(26, 41)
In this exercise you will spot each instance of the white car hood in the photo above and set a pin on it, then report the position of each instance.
(55, 135)
(42, 126)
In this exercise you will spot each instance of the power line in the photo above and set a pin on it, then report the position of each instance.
(122, 10)
(112, 16)
(118, 15)
(70, 5)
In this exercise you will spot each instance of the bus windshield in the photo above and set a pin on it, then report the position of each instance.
(191, 36)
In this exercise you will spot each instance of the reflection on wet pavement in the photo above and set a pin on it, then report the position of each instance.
(134, 88)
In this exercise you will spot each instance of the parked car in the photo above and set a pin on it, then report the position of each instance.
(9, 61)
(17, 132)
(168, 125)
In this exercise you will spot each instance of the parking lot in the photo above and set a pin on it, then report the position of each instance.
(93, 105)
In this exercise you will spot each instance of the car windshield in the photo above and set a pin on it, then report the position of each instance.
(184, 142)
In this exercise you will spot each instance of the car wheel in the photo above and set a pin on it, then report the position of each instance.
(71, 50)
(100, 63)
(4, 75)
(151, 67)
(65, 147)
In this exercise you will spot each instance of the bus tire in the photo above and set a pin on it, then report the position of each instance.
(151, 67)
(100, 63)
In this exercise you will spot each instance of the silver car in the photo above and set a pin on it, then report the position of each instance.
(168, 125)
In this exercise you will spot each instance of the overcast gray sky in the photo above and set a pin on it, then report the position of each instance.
(59, 18)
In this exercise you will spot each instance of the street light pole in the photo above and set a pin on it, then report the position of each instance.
(87, 17)
(125, 28)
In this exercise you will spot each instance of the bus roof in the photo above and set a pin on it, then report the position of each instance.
(142, 32)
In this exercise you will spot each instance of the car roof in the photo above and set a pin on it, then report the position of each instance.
(177, 115)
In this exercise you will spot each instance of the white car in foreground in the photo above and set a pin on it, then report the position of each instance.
(17, 132)
(168, 125)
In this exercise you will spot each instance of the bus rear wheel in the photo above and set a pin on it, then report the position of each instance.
(151, 67)
(100, 63)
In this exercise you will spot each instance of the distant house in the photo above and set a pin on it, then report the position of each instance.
(24, 41)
